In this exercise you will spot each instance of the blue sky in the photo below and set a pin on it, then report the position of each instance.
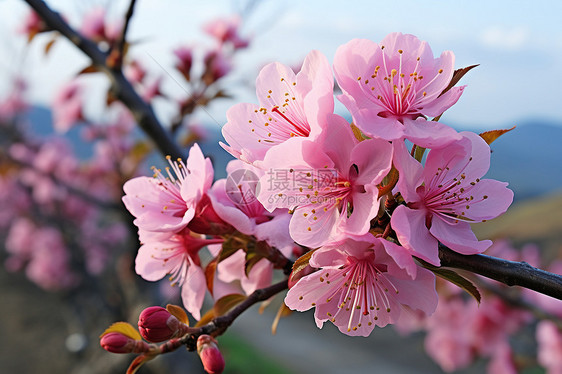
(518, 45)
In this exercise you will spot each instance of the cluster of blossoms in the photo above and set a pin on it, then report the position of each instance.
(44, 184)
(358, 197)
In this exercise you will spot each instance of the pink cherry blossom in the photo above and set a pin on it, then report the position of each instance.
(332, 183)
(390, 88)
(448, 339)
(67, 106)
(447, 195)
(217, 65)
(176, 256)
(93, 24)
(291, 107)
(234, 200)
(232, 269)
(502, 360)
(167, 202)
(184, 56)
(32, 25)
(49, 266)
(15, 103)
(549, 338)
(225, 30)
(360, 286)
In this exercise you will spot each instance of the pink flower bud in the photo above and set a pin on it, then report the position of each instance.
(185, 60)
(211, 357)
(116, 342)
(156, 325)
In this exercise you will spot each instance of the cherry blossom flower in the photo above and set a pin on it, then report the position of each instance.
(391, 87)
(334, 186)
(549, 340)
(93, 24)
(67, 107)
(167, 203)
(291, 107)
(234, 200)
(225, 30)
(360, 286)
(176, 256)
(447, 195)
(217, 65)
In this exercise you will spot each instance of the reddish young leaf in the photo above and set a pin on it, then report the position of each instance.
(226, 303)
(490, 136)
(210, 271)
(178, 312)
(300, 264)
(457, 75)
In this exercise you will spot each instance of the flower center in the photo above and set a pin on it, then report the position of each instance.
(398, 85)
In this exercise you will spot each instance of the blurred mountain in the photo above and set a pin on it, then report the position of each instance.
(529, 157)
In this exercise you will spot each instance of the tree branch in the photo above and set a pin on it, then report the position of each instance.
(219, 324)
(124, 91)
(510, 273)
(120, 46)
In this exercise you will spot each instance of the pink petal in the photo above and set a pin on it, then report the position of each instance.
(491, 198)
(410, 172)
(311, 232)
(365, 208)
(260, 276)
(193, 290)
(227, 211)
(308, 290)
(149, 267)
(402, 256)
(373, 159)
(419, 294)
(459, 237)
(413, 234)
(429, 134)
(443, 102)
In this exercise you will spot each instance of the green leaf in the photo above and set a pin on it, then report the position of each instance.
(454, 278)
(490, 136)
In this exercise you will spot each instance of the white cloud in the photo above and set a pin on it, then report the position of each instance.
(505, 38)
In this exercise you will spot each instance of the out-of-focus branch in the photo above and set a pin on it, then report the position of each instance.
(508, 272)
(123, 90)
(514, 299)
(120, 46)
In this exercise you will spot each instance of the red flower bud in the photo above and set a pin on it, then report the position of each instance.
(156, 325)
(211, 357)
(116, 342)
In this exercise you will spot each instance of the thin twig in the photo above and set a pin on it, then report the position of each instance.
(219, 324)
(123, 90)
